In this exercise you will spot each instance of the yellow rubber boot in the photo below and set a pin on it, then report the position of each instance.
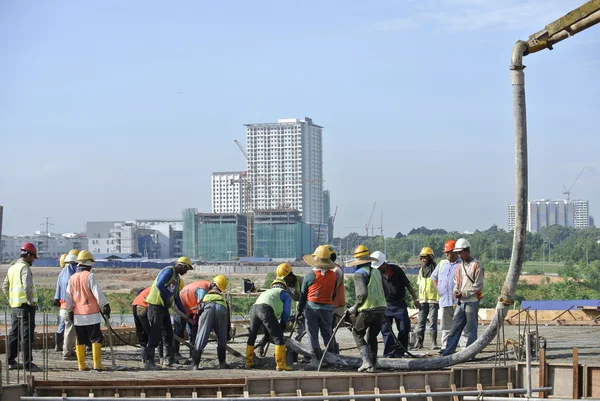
(80, 351)
(249, 356)
(97, 355)
(280, 358)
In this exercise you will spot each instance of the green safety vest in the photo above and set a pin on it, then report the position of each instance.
(16, 288)
(154, 297)
(215, 298)
(427, 291)
(272, 297)
(375, 295)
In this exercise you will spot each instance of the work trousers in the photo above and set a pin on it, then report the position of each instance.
(142, 325)
(465, 317)
(399, 315)
(368, 323)
(159, 319)
(319, 321)
(21, 332)
(446, 316)
(61, 324)
(263, 315)
(428, 309)
(213, 317)
(181, 325)
(69, 334)
(88, 335)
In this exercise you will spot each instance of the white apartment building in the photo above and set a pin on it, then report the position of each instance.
(545, 212)
(49, 246)
(228, 192)
(285, 166)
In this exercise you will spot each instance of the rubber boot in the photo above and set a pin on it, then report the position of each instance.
(80, 351)
(221, 355)
(280, 358)
(58, 341)
(434, 344)
(419, 343)
(365, 353)
(149, 363)
(249, 356)
(97, 356)
(196, 355)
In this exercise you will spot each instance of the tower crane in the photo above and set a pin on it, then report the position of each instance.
(370, 218)
(568, 191)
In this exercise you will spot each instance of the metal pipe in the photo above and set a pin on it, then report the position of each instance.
(485, 398)
(528, 361)
(475, 393)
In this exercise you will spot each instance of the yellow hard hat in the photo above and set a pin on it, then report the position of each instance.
(85, 256)
(61, 261)
(330, 249)
(74, 252)
(221, 282)
(427, 251)
(360, 251)
(184, 260)
(283, 270)
(279, 281)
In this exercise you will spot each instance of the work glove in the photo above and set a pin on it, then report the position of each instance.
(417, 305)
(56, 302)
(106, 311)
(352, 311)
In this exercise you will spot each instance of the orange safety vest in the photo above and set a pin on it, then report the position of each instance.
(340, 294)
(84, 301)
(188, 293)
(471, 279)
(140, 300)
(321, 290)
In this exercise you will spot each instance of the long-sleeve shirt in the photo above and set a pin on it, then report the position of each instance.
(62, 282)
(166, 292)
(469, 280)
(286, 298)
(93, 318)
(26, 279)
(397, 284)
(444, 275)
(361, 282)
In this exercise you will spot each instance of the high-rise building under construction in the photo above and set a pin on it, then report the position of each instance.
(545, 212)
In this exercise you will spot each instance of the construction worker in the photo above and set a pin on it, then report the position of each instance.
(367, 313)
(22, 296)
(191, 295)
(87, 304)
(60, 330)
(66, 338)
(443, 279)
(271, 311)
(468, 284)
(214, 314)
(339, 302)
(316, 298)
(428, 298)
(396, 309)
(164, 292)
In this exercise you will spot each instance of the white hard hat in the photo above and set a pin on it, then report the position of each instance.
(71, 258)
(461, 244)
(380, 256)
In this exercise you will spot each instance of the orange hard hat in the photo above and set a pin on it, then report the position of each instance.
(449, 245)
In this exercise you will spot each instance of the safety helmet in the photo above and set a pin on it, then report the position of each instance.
(221, 282)
(360, 252)
(71, 257)
(283, 270)
(380, 256)
(29, 247)
(184, 260)
(279, 281)
(461, 244)
(330, 249)
(61, 261)
(74, 252)
(449, 245)
(85, 258)
(427, 251)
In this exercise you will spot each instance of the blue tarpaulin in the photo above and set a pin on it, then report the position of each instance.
(560, 305)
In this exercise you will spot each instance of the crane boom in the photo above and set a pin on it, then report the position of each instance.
(241, 148)
(568, 191)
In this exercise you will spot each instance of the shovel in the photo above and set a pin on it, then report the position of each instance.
(110, 342)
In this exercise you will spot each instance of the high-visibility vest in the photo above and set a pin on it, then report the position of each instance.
(154, 297)
(340, 293)
(214, 298)
(272, 297)
(375, 295)
(188, 293)
(84, 301)
(321, 290)
(427, 291)
(140, 300)
(16, 288)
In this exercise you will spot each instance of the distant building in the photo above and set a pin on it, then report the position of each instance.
(227, 191)
(545, 212)
(154, 239)
(1, 211)
(285, 167)
(49, 246)
(591, 222)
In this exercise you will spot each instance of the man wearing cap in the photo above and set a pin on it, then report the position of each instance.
(22, 296)
(316, 298)
(369, 308)
(164, 292)
(67, 337)
(397, 283)
(428, 297)
(468, 284)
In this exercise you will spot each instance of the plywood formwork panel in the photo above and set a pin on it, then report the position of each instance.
(592, 379)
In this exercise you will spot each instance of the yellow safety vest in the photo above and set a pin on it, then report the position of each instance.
(427, 291)
(16, 288)
(375, 295)
(214, 298)
(154, 297)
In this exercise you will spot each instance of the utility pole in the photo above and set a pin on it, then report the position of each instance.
(47, 224)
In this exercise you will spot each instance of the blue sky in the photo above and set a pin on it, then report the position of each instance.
(121, 110)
